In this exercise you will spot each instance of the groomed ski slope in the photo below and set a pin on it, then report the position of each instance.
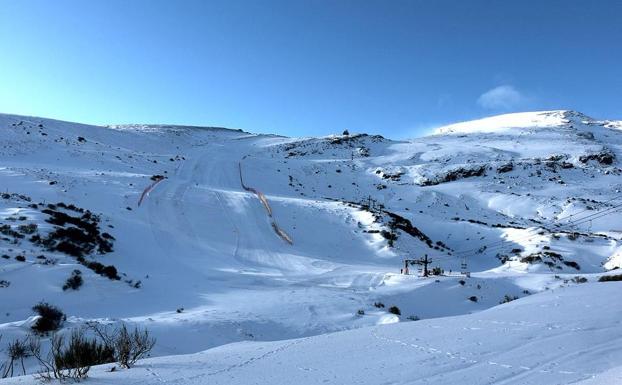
(562, 336)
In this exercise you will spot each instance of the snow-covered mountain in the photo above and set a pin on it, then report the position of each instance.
(209, 236)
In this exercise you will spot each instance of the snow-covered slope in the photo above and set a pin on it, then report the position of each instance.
(242, 237)
(559, 337)
(521, 120)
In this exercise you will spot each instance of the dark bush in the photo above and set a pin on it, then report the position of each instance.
(378, 304)
(395, 310)
(532, 258)
(389, 236)
(74, 208)
(72, 360)
(132, 346)
(93, 265)
(579, 279)
(107, 271)
(128, 346)
(610, 278)
(83, 352)
(9, 232)
(51, 317)
(36, 239)
(27, 229)
(507, 299)
(78, 240)
(572, 264)
(473, 298)
(16, 352)
(72, 241)
(74, 281)
(20, 258)
(110, 272)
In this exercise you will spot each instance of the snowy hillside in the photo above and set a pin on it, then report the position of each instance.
(550, 338)
(208, 236)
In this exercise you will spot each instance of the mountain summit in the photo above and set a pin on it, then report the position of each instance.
(499, 123)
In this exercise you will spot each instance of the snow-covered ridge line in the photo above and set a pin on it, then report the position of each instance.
(520, 120)
(159, 127)
(499, 123)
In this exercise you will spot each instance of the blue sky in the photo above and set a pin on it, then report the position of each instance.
(308, 67)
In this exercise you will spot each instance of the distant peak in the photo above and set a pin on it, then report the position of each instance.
(500, 123)
(576, 116)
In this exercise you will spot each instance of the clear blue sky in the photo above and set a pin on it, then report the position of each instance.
(308, 67)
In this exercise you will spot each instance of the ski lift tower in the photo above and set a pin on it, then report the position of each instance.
(422, 261)
(463, 268)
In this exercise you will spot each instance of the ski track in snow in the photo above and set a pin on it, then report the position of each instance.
(458, 356)
(264, 201)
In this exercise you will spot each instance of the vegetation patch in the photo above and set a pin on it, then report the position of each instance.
(579, 279)
(549, 258)
(398, 222)
(610, 278)
(50, 318)
(74, 358)
(76, 232)
(10, 235)
(75, 235)
(74, 281)
(395, 310)
(507, 298)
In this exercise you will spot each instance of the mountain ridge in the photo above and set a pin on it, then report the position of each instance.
(545, 118)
